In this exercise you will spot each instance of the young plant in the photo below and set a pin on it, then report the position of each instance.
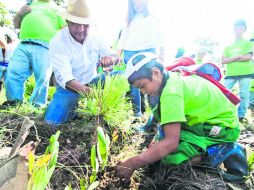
(103, 143)
(41, 169)
(94, 164)
(107, 100)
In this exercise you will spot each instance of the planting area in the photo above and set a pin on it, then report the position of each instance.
(89, 147)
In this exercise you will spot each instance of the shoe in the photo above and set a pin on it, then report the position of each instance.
(8, 104)
(233, 156)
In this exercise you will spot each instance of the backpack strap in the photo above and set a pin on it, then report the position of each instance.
(208, 71)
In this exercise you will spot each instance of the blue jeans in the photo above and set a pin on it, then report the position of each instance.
(28, 59)
(62, 107)
(251, 103)
(135, 92)
(244, 84)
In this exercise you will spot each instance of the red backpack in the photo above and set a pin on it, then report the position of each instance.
(209, 71)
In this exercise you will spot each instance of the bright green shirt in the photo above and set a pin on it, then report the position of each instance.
(194, 100)
(239, 47)
(42, 23)
(252, 85)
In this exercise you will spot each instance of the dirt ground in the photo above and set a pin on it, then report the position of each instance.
(74, 159)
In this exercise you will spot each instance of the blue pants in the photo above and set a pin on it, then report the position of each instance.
(135, 92)
(62, 107)
(27, 59)
(244, 84)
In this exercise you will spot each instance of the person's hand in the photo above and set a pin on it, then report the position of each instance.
(24, 10)
(107, 61)
(86, 89)
(124, 170)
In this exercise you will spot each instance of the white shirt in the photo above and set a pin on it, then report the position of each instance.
(142, 33)
(72, 60)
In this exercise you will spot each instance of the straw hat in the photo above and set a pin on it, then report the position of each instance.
(77, 12)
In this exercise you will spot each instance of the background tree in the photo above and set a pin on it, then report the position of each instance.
(4, 20)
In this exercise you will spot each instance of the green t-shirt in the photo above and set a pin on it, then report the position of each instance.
(194, 100)
(42, 23)
(252, 85)
(240, 47)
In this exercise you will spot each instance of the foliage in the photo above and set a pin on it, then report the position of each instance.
(94, 164)
(103, 143)
(250, 158)
(29, 87)
(4, 21)
(108, 100)
(206, 44)
(41, 169)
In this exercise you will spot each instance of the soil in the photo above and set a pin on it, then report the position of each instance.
(76, 140)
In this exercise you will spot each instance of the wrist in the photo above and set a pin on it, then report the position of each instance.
(135, 162)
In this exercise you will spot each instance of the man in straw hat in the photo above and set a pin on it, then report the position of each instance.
(75, 54)
(38, 23)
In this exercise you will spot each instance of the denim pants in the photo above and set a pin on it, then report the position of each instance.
(135, 92)
(62, 107)
(251, 99)
(29, 58)
(244, 84)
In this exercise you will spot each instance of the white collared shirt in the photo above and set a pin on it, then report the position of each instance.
(72, 60)
(142, 33)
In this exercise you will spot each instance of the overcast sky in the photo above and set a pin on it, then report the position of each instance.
(183, 20)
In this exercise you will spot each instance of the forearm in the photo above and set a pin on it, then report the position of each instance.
(156, 152)
(76, 86)
(230, 60)
(246, 57)
(17, 20)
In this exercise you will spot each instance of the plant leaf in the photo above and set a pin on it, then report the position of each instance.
(94, 185)
(31, 161)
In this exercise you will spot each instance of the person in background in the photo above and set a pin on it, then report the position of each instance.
(38, 23)
(142, 33)
(6, 50)
(251, 89)
(188, 129)
(75, 52)
(180, 53)
(237, 59)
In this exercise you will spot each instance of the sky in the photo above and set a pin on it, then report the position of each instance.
(184, 20)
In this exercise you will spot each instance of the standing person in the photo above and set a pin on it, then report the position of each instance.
(38, 23)
(251, 89)
(75, 52)
(141, 34)
(6, 50)
(188, 126)
(239, 67)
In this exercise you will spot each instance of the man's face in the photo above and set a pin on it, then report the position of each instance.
(150, 87)
(78, 31)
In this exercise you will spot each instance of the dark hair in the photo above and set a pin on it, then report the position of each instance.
(145, 72)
